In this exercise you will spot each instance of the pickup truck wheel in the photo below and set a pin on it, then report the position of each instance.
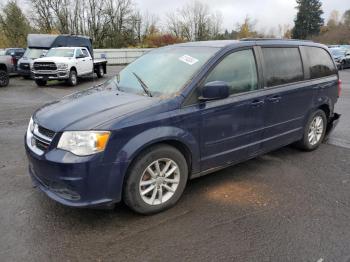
(40, 82)
(4, 78)
(314, 131)
(100, 72)
(156, 180)
(73, 78)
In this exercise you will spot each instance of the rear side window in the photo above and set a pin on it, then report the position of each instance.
(321, 63)
(238, 70)
(282, 66)
(85, 52)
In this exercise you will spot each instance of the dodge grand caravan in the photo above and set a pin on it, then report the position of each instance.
(177, 113)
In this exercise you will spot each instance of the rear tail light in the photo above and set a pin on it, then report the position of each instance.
(339, 87)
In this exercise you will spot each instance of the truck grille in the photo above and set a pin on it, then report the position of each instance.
(40, 140)
(48, 66)
(24, 66)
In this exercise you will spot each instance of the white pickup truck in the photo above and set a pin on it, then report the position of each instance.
(67, 63)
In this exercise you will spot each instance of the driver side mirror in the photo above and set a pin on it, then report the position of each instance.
(214, 91)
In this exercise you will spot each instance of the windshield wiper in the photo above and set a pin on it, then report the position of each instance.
(143, 85)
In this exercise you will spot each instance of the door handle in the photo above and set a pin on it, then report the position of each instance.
(274, 99)
(258, 103)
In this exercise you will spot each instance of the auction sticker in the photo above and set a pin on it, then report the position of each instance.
(188, 59)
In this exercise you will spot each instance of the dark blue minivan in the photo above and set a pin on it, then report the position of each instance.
(177, 113)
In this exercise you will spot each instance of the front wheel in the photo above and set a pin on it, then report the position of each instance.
(4, 78)
(73, 78)
(314, 131)
(40, 82)
(156, 180)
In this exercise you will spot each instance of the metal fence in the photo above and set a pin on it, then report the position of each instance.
(120, 56)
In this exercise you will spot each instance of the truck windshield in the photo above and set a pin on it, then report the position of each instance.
(338, 52)
(60, 53)
(34, 53)
(164, 71)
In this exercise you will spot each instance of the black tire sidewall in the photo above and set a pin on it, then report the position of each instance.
(7, 78)
(306, 143)
(70, 82)
(131, 195)
(40, 82)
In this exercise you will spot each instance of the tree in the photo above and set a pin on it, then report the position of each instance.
(14, 24)
(346, 18)
(308, 21)
(333, 20)
(246, 29)
(194, 22)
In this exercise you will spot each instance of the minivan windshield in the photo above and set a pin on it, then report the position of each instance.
(60, 53)
(34, 53)
(164, 71)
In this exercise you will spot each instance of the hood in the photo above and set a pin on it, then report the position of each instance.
(89, 109)
(54, 59)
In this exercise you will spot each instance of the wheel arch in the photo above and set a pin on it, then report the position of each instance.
(3, 67)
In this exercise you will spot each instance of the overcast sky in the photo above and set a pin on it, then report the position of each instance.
(268, 13)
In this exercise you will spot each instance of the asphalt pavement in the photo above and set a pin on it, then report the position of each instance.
(284, 206)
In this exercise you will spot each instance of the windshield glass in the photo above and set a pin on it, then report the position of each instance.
(60, 53)
(34, 53)
(164, 71)
(337, 52)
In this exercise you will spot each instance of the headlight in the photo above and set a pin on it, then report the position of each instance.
(31, 125)
(84, 143)
(62, 66)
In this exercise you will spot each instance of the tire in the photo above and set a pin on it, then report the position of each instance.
(40, 82)
(162, 194)
(73, 78)
(313, 135)
(100, 71)
(4, 78)
(342, 65)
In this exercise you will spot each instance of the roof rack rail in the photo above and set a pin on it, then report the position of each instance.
(267, 39)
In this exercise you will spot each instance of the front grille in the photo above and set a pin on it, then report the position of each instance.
(24, 66)
(45, 66)
(41, 145)
(46, 132)
(40, 139)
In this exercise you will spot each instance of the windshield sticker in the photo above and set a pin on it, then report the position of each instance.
(188, 59)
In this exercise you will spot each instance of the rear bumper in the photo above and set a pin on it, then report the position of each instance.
(74, 181)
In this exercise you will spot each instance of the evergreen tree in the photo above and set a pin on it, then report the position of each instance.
(14, 24)
(309, 19)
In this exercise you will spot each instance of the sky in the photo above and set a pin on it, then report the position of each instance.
(266, 13)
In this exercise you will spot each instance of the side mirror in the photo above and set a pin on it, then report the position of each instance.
(80, 56)
(215, 91)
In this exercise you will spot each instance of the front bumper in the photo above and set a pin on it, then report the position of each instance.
(51, 75)
(76, 181)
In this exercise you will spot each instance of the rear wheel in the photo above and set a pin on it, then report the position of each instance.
(314, 131)
(40, 82)
(156, 180)
(73, 78)
(100, 71)
(4, 78)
